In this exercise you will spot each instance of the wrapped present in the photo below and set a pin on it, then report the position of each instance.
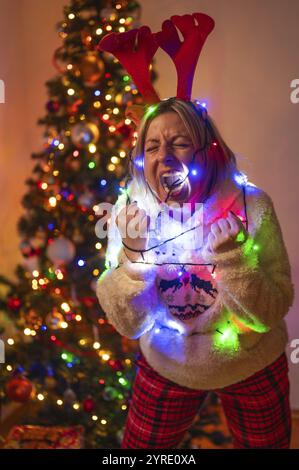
(41, 437)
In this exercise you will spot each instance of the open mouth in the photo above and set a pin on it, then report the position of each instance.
(173, 181)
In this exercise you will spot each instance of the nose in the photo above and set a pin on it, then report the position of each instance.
(165, 155)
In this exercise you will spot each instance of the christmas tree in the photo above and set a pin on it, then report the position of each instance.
(61, 354)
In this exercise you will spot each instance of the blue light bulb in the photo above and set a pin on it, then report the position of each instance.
(139, 162)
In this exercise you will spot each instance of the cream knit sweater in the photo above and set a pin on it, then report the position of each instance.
(235, 327)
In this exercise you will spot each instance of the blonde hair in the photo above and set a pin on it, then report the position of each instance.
(217, 162)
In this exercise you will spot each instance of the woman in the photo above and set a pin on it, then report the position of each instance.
(209, 317)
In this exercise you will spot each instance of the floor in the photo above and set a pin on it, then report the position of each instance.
(210, 431)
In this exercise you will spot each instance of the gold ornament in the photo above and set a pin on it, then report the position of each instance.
(85, 133)
(91, 68)
(54, 319)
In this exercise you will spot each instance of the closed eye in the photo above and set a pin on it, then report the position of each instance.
(151, 149)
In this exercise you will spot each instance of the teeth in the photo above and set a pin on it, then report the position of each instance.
(172, 179)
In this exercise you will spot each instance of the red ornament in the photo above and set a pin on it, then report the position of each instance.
(53, 106)
(124, 131)
(14, 303)
(88, 301)
(19, 389)
(116, 365)
(88, 404)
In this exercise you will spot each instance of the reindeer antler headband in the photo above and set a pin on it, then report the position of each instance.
(136, 48)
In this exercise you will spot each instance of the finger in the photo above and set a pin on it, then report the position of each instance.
(128, 218)
(144, 225)
(132, 209)
(211, 241)
(234, 225)
(121, 219)
(224, 226)
(215, 229)
(138, 227)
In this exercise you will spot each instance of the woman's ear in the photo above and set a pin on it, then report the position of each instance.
(135, 112)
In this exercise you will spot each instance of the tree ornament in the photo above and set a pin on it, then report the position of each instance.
(125, 131)
(91, 68)
(61, 251)
(53, 106)
(14, 303)
(19, 389)
(69, 396)
(88, 404)
(89, 302)
(54, 319)
(59, 61)
(116, 365)
(85, 133)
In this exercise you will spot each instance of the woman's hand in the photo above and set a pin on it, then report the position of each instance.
(226, 234)
(133, 224)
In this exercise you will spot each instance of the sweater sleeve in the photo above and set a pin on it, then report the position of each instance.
(128, 296)
(254, 279)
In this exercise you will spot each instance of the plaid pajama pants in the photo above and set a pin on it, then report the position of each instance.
(257, 409)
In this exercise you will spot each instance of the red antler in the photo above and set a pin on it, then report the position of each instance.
(185, 54)
(134, 49)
